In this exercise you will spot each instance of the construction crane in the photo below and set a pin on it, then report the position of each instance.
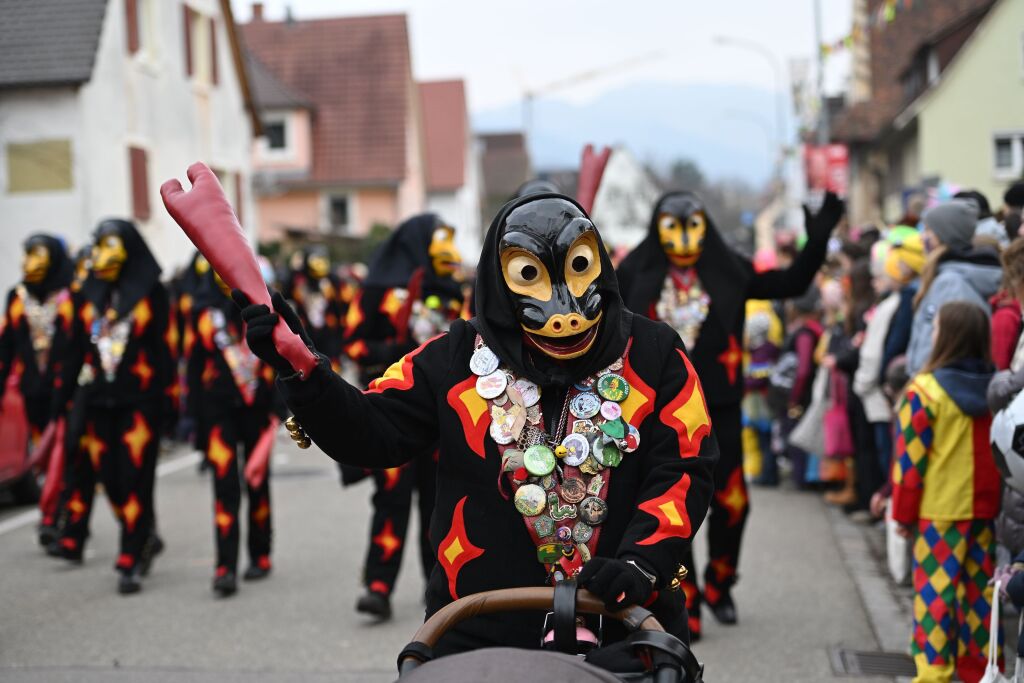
(530, 94)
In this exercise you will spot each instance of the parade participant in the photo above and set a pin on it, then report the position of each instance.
(38, 313)
(574, 438)
(686, 275)
(117, 371)
(410, 295)
(236, 408)
(317, 295)
(946, 496)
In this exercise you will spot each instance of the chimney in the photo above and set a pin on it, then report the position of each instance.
(257, 11)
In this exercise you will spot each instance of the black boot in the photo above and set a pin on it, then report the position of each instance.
(48, 533)
(64, 552)
(725, 610)
(153, 546)
(129, 582)
(255, 573)
(225, 584)
(375, 604)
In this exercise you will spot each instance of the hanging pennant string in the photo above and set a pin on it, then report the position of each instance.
(845, 43)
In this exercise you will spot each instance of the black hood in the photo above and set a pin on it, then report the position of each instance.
(189, 280)
(497, 320)
(206, 294)
(138, 275)
(535, 186)
(722, 271)
(405, 251)
(62, 268)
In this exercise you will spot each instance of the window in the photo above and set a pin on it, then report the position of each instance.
(140, 183)
(41, 166)
(1008, 155)
(200, 33)
(275, 133)
(131, 25)
(339, 213)
(140, 27)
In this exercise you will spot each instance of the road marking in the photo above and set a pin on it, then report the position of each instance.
(162, 470)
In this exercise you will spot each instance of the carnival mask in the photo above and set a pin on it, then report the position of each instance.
(108, 257)
(444, 255)
(318, 265)
(224, 287)
(202, 266)
(550, 261)
(36, 264)
(682, 227)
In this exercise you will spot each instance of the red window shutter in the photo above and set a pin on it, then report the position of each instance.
(238, 197)
(131, 24)
(188, 40)
(213, 51)
(140, 183)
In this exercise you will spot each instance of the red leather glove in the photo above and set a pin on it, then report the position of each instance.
(209, 221)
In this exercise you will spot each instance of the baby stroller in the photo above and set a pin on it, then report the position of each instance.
(657, 656)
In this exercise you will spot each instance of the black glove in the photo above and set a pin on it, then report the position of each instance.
(260, 323)
(617, 582)
(827, 218)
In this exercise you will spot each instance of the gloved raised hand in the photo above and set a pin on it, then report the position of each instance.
(617, 582)
(260, 322)
(826, 219)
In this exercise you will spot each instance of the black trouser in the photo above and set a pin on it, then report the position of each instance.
(228, 437)
(119, 446)
(730, 506)
(392, 505)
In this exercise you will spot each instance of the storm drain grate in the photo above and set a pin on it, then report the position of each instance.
(860, 663)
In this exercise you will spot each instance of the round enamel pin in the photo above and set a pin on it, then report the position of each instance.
(483, 361)
(530, 500)
(611, 410)
(593, 510)
(613, 387)
(539, 460)
(573, 490)
(492, 385)
(528, 392)
(585, 406)
(577, 449)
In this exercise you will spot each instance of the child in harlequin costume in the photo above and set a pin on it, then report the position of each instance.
(684, 274)
(946, 496)
(37, 317)
(409, 296)
(573, 436)
(117, 374)
(237, 410)
(317, 295)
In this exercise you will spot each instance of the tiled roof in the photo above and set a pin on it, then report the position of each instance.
(445, 133)
(892, 47)
(48, 42)
(356, 72)
(270, 93)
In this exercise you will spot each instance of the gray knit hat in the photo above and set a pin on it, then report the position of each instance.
(953, 222)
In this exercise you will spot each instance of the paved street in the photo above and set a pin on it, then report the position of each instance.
(59, 623)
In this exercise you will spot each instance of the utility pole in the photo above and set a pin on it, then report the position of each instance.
(823, 123)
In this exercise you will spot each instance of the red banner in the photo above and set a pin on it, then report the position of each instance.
(827, 168)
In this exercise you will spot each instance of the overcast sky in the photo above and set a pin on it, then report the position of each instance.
(500, 48)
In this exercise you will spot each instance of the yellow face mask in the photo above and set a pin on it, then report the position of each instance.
(683, 244)
(224, 287)
(108, 258)
(444, 255)
(36, 264)
(202, 266)
(318, 266)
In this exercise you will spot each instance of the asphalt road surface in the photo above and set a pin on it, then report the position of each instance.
(796, 598)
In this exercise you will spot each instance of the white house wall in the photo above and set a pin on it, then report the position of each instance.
(143, 100)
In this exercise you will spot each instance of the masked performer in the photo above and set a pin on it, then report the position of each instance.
(234, 403)
(118, 370)
(38, 313)
(317, 295)
(409, 296)
(684, 274)
(592, 419)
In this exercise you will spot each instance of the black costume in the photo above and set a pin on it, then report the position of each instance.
(37, 318)
(232, 399)
(706, 302)
(118, 370)
(317, 295)
(647, 506)
(403, 302)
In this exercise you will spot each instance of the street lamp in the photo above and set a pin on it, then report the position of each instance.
(769, 56)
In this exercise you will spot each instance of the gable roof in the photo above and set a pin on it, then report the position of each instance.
(49, 42)
(356, 71)
(268, 91)
(893, 47)
(445, 133)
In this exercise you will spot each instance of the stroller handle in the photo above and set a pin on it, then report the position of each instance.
(635, 618)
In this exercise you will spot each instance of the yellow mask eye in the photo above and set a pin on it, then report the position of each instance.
(583, 265)
(202, 265)
(525, 274)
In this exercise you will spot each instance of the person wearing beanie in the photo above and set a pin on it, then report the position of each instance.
(903, 265)
(956, 270)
